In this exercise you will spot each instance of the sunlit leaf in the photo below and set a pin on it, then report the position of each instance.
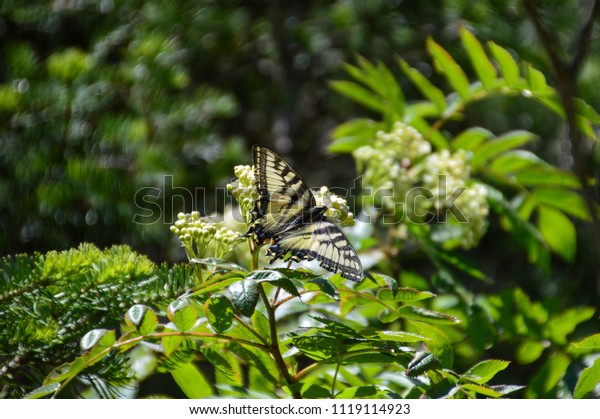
(453, 72)
(566, 200)
(182, 314)
(192, 382)
(558, 231)
(64, 372)
(515, 160)
(485, 370)
(479, 389)
(359, 94)
(548, 377)
(471, 138)
(497, 146)
(588, 380)
(143, 318)
(427, 89)
(97, 337)
(425, 315)
(400, 336)
(529, 351)
(589, 343)
(508, 66)
(220, 264)
(217, 282)
(42, 391)
(483, 66)
(563, 324)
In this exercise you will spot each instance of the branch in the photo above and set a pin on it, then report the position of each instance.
(567, 75)
(583, 42)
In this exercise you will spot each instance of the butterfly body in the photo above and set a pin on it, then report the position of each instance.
(286, 216)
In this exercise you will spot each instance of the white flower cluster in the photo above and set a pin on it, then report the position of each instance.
(337, 207)
(443, 173)
(198, 235)
(244, 189)
(401, 160)
(386, 165)
(472, 204)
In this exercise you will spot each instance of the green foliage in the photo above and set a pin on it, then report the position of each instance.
(532, 185)
(114, 114)
(50, 301)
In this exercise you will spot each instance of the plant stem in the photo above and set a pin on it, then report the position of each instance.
(275, 352)
(335, 374)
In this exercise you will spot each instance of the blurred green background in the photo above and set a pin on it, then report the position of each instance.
(99, 99)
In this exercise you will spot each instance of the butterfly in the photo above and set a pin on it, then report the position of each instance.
(286, 215)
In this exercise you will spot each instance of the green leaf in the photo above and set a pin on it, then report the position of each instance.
(483, 390)
(515, 160)
(65, 372)
(566, 200)
(430, 133)
(427, 89)
(548, 377)
(326, 286)
(399, 336)
(318, 347)
(446, 64)
(359, 94)
(244, 296)
(361, 392)
(561, 325)
(422, 362)
(219, 264)
(483, 66)
(192, 382)
(143, 318)
(558, 231)
(171, 343)
(42, 391)
(537, 82)
(529, 351)
(217, 282)
(506, 142)
(404, 294)
(508, 66)
(261, 324)
(506, 389)
(313, 391)
(183, 315)
(589, 343)
(525, 233)
(485, 371)
(276, 278)
(219, 312)
(588, 380)
(425, 315)
(97, 337)
(471, 138)
(391, 91)
(547, 176)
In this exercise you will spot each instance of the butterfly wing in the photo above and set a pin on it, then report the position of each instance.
(286, 214)
(282, 194)
(324, 241)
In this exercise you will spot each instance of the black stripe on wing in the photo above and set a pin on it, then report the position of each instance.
(324, 242)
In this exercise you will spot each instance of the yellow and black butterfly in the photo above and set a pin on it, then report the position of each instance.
(287, 216)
